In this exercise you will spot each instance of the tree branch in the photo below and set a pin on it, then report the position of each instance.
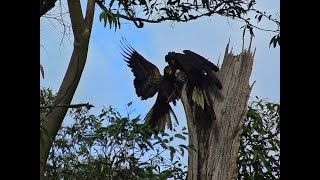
(87, 105)
(141, 20)
(223, 11)
(248, 23)
(76, 17)
(267, 16)
(89, 13)
(46, 5)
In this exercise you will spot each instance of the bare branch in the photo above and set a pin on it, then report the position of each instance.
(60, 18)
(267, 16)
(248, 23)
(87, 105)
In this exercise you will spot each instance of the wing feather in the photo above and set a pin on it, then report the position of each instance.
(147, 75)
(201, 59)
(206, 65)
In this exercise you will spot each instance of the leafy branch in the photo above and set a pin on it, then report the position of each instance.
(181, 11)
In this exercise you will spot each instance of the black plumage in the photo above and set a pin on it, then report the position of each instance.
(200, 74)
(148, 81)
(190, 67)
(194, 65)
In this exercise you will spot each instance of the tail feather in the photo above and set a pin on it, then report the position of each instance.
(167, 121)
(174, 115)
(159, 117)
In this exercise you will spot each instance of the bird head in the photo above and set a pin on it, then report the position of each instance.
(170, 59)
(168, 71)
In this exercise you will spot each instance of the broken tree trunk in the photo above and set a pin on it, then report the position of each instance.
(216, 142)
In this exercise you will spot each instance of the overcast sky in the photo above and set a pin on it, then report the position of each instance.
(106, 80)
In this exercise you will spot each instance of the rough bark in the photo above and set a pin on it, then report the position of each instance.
(81, 30)
(216, 142)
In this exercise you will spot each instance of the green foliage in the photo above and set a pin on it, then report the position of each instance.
(156, 11)
(259, 152)
(46, 101)
(107, 16)
(109, 146)
(275, 40)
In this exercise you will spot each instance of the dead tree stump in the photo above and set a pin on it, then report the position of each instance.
(216, 142)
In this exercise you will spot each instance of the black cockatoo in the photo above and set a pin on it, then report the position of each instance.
(190, 67)
(200, 75)
(148, 81)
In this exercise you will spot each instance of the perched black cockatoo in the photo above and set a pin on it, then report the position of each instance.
(200, 75)
(148, 81)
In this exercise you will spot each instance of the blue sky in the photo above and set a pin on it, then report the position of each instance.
(106, 80)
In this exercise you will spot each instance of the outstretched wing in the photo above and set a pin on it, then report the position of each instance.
(147, 76)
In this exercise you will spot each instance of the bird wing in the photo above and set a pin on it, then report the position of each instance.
(147, 75)
(199, 72)
(206, 65)
(202, 60)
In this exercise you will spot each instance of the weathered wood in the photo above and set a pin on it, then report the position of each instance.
(217, 141)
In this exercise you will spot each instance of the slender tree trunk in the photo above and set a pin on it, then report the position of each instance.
(81, 30)
(216, 142)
